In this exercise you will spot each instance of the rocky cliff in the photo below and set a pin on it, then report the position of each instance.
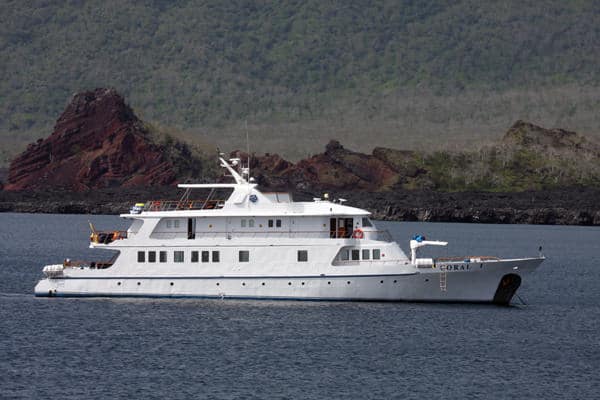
(97, 142)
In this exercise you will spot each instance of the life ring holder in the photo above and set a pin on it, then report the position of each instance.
(358, 234)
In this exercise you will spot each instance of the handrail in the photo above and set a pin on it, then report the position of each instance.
(463, 258)
(382, 235)
(87, 264)
(175, 205)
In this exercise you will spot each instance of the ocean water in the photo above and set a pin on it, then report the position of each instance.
(548, 348)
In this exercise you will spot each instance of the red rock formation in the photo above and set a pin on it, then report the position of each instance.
(336, 168)
(97, 142)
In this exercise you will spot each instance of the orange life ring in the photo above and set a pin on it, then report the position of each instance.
(358, 234)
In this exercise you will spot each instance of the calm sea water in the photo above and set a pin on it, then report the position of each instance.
(102, 348)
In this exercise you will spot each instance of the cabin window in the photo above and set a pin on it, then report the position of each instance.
(169, 223)
(355, 254)
(250, 223)
(178, 256)
(215, 256)
(141, 256)
(302, 255)
(345, 255)
(365, 254)
(278, 223)
(366, 222)
(152, 256)
(244, 256)
(194, 256)
(376, 254)
(205, 255)
(162, 256)
(270, 223)
(176, 223)
(243, 223)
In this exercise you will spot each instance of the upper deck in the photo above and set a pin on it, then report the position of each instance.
(245, 200)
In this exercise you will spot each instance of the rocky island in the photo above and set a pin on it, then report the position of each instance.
(101, 158)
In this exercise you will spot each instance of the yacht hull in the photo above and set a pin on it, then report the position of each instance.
(490, 281)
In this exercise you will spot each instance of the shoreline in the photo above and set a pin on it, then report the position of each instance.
(568, 206)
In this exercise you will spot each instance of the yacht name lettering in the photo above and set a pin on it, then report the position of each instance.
(459, 267)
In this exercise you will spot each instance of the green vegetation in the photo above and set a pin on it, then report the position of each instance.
(403, 74)
(500, 169)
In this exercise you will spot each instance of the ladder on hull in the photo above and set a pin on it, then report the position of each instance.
(443, 280)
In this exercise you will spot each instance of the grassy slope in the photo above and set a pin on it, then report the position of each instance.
(400, 74)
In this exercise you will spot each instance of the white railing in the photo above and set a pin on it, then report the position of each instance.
(368, 235)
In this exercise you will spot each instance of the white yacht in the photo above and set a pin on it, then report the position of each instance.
(258, 245)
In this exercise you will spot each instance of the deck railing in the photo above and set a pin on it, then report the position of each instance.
(382, 235)
(175, 205)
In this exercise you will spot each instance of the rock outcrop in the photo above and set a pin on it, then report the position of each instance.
(97, 142)
(335, 169)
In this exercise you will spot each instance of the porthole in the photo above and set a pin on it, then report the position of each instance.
(427, 280)
(302, 283)
(119, 283)
(263, 284)
(348, 282)
(395, 281)
(380, 281)
(217, 283)
(243, 283)
(329, 283)
(171, 283)
(290, 283)
(139, 283)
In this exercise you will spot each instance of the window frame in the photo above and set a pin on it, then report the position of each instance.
(376, 254)
(244, 256)
(366, 252)
(162, 256)
(178, 256)
(203, 258)
(217, 258)
(355, 254)
(152, 256)
(302, 256)
(141, 256)
(194, 257)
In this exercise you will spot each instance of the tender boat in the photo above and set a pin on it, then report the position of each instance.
(258, 245)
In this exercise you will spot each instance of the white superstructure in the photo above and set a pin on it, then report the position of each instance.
(265, 246)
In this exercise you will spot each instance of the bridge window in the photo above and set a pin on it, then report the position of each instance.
(141, 256)
(215, 256)
(178, 256)
(365, 254)
(376, 254)
(302, 255)
(244, 256)
(205, 256)
(194, 256)
(162, 256)
(366, 222)
(355, 254)
(151, 256)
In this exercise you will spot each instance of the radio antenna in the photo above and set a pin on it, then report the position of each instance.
(247, 148)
